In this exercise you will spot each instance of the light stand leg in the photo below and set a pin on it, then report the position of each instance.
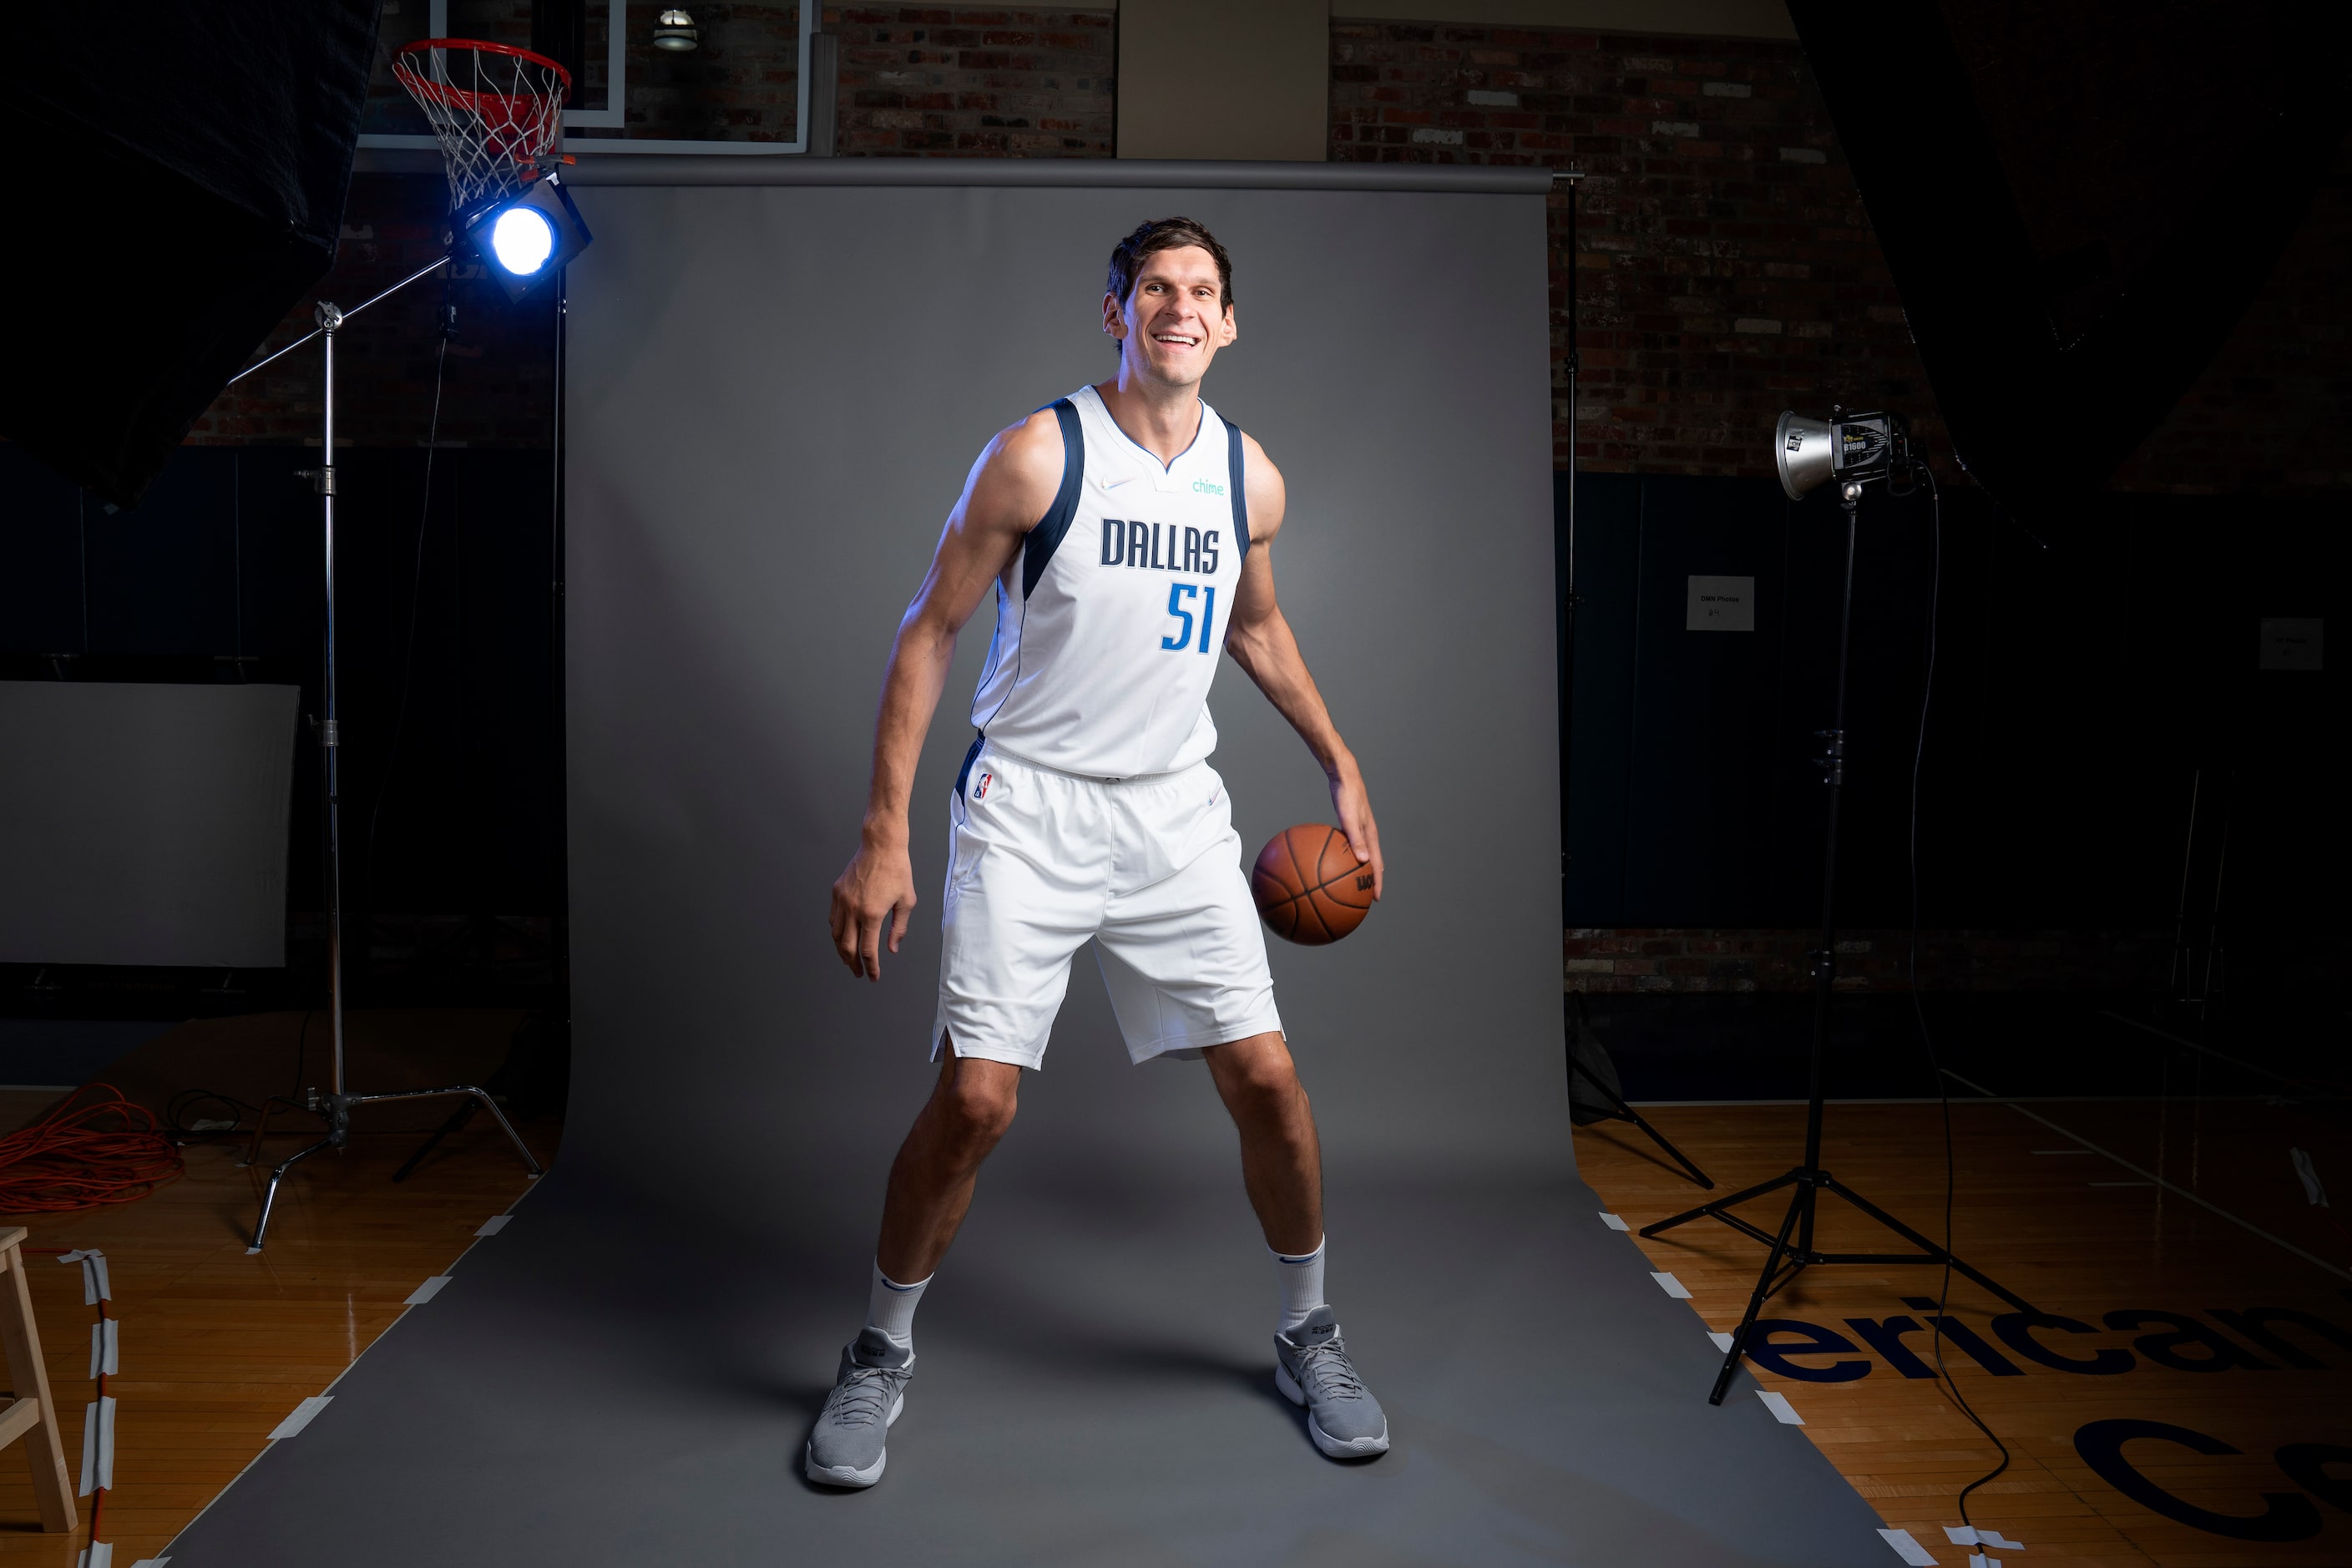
(269, 1196)
(1801, 1211)
(1619, 1111)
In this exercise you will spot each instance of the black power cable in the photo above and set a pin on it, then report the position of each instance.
(1919, 1008)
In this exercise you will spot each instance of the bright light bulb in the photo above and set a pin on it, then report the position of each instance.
(522, 240)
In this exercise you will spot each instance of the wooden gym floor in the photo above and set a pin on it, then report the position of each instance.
(218, 1347)
(2051, 1223)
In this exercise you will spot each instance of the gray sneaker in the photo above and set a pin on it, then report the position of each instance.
(1312, 1368)
(846, 1449)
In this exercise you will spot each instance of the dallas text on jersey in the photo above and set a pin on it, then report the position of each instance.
(1126, 543)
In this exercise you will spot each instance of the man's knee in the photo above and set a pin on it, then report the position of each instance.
(1261, 1079)
(977, 1099)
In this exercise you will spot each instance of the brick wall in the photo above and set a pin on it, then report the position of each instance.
(1725, 269)
(975, 82)
(1631, 959)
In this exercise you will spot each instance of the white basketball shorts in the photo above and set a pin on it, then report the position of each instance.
(1149, 867)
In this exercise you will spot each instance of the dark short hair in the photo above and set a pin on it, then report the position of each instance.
(1166, 234)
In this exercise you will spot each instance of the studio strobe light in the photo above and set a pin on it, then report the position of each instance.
(525, 238)
(1852, 449)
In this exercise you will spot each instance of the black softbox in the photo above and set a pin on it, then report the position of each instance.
(181, 170)
(2077, 200)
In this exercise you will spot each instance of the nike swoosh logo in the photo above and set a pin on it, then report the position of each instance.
(1114, 484)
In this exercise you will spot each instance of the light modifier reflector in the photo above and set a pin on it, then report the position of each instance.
(1805, 451)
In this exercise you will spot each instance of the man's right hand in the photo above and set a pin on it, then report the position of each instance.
(872, 901)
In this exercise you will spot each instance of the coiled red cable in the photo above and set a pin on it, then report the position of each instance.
(95, 1149)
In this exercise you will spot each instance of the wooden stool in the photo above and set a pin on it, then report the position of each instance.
(32, 1415)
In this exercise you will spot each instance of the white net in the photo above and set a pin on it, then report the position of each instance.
(498, 112)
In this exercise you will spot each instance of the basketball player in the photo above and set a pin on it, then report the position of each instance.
(1128, 532)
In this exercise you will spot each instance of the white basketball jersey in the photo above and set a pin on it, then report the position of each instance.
(1105, 647)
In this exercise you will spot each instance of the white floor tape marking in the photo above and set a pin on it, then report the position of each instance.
(426, 1291)
(1614, 1222)
(97, 1554)
(106, 1443)
(1978, 1560)
(495, 1224)
(89, 1450)
(105, 1350)
(1722, 1342)
(1910, 1551)
(95, 1287)
(1671, 1286)
(1969, 1535)
(1782, 1411)
(303, 1415)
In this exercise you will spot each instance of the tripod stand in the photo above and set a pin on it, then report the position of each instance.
(334, 1106)
(1792, 1249)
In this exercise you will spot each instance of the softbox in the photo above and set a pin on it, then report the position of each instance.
(181, 172)
(2077, 201)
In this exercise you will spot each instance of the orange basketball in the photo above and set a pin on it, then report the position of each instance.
(1309, 886)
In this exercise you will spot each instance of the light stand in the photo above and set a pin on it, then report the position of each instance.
(334, 1106)
(1792, 1249)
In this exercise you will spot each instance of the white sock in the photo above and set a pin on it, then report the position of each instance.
(1302, 1285)
(890, 1307)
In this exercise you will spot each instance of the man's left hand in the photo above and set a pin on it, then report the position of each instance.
(1354, 808)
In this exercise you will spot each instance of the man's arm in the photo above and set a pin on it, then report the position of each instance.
(1260, 641)
(1009, 489)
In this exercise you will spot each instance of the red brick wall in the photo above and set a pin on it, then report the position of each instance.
(989, 83)
(1724, 269)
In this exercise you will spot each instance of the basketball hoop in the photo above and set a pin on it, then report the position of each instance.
(497, 110)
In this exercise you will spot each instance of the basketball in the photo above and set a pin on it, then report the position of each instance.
(1309, 886)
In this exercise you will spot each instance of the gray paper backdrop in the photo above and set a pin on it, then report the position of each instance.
(774, 396)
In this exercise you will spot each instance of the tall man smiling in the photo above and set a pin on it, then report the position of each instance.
(1128, 532)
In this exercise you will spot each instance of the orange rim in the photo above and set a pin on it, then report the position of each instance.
(459, 96)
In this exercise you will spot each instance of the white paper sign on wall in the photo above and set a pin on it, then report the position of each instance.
(2289, 642)
(1721, 604)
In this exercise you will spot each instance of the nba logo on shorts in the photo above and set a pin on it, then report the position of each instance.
(979, 790)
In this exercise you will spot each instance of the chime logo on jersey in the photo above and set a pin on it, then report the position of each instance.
(1159, 546)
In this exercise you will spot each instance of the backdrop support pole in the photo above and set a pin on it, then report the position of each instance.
(1567, 596)
(1792, 1249)
(334, 1106)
